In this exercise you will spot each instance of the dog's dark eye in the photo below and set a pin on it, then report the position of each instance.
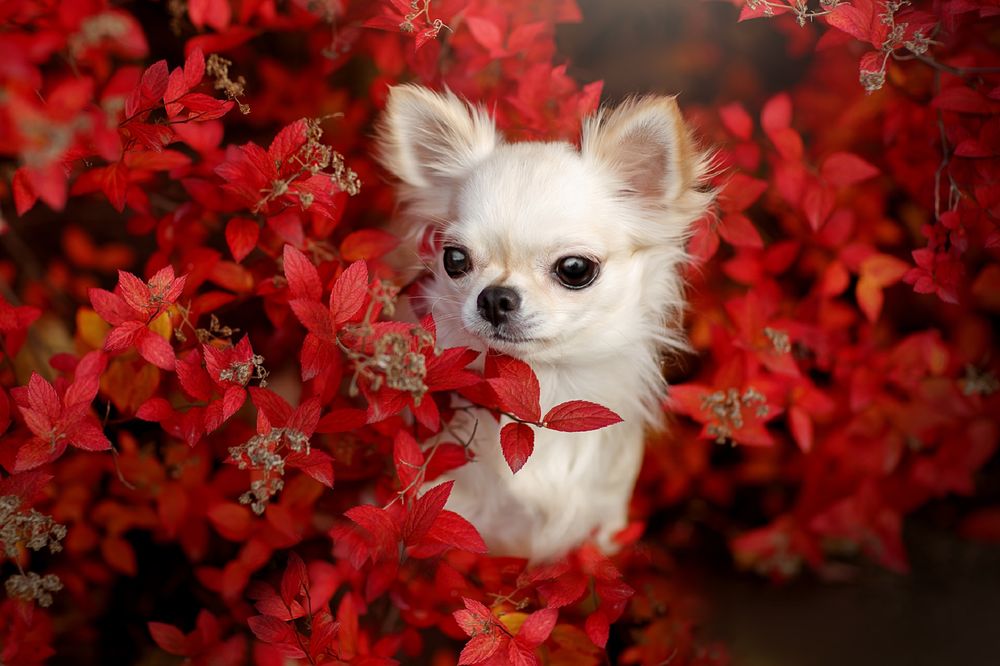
(575, 272)
(456, 262)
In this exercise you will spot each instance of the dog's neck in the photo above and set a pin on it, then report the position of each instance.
(631, 383)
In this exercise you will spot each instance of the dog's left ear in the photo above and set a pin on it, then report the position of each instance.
(646, 144)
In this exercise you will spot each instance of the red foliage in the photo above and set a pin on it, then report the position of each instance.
(256, 273)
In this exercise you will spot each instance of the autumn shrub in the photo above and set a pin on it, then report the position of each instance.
(211, 426)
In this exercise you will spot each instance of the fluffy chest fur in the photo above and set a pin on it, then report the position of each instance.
(574, 487)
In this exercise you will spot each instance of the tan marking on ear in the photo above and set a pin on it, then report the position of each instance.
(646, 141)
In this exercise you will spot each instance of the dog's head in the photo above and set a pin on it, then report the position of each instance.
(542, 250)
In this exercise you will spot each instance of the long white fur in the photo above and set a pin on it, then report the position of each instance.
(627, 197)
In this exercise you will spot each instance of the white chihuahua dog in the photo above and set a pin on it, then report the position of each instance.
(567, 259)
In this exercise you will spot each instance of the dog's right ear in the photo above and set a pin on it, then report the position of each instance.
(426, 138)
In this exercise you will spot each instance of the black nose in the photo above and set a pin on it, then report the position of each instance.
(495, 303)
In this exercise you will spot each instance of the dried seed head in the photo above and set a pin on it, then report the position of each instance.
(404, 369)
(27, 529)
(96, 29)
(343, 176)
(979, 381)
(265, 454)
(872, 80)
(32, 587)
(727, 409)
(779, 340)
(241, 372)
(919, 44)
(218, 68)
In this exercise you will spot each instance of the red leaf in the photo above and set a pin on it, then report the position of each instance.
(295, 580)
(523, 36)
(135, 292)
(342, 420)
(517, 441)
(740, 192)
(169, 638)
(481, 647)
(36, 452)
(194, 68)
(883, 269)
(516, 387)
(87, 435)
(739, 231)
(24, 194)
(454, 530)
(367, 244)
(49, 183)
(275, 408)
(233, 521)
(115, 184)
(349, 293)
(519, 655)
(380, 526)
(303, 278)
(313, 315)
(241, 236)
(446, 371)
(445, 458)
(193, 377)
(119, 555)
(860, 19)
(214, 13)
(425, 511)
(579, 416)
(154, 349)
(155, 409)
(844, 169)
(961, 99)
(272, 630)
(486, 33)
(318, 356)
(597, 628)
(42, 397)
(111, 307)
(737, 120)
(407, 457)
(474, 618)
(817, 203)
(537, 627)
(802, 428)
(287, 142)
(877, 271)
(789, 144)
(318, 464)
(777, 113)
(150, 90)
(4, 411)
(123, 336)
(564, 590)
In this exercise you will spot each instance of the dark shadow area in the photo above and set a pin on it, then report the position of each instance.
(944, 612)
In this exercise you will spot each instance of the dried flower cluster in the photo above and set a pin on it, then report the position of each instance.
(265, 454)
(217, 67)
(31, 587)
(726, 408)
(27, 529)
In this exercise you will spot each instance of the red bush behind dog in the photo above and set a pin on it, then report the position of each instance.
(250, 388)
